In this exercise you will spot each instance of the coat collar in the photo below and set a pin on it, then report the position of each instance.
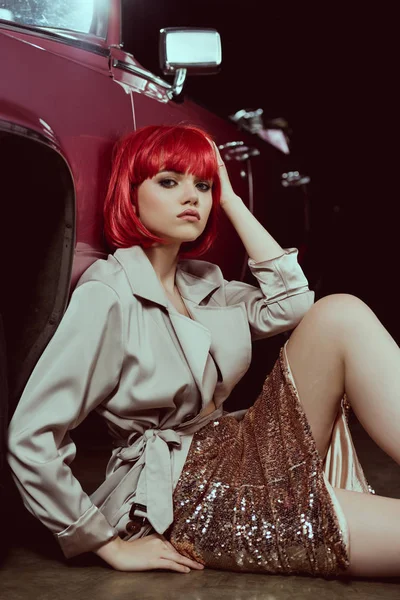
(218, 330)
(195, 279)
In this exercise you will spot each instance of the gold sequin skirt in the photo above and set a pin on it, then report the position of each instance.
(254, 495)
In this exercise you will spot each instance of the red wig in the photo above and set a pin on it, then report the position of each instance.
(141, 155)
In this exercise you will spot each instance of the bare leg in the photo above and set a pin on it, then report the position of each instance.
(374, 524)
(340, 346)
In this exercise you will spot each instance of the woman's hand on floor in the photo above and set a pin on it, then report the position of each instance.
(144, 554)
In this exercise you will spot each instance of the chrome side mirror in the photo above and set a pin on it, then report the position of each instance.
(189, 51)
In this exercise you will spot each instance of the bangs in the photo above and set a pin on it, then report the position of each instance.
(184, 150)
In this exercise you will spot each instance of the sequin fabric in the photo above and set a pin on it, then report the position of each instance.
(251, 496)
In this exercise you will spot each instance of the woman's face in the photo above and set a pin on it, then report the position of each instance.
(175, 206)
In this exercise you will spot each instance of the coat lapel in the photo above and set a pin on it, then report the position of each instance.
(222, 331)
(230, 342)
(199, 283)
(195, 342)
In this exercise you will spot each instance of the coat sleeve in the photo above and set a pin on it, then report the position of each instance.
(281, 299)
(79, 368)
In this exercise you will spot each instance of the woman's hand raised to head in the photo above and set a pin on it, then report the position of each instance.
(259, 244)
(144, 554)
(227, 193)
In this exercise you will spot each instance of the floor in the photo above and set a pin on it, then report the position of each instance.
(33, 566)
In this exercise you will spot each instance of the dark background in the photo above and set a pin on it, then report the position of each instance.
(330, 70)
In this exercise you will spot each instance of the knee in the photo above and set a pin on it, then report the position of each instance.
(338, 312)
(331, 322)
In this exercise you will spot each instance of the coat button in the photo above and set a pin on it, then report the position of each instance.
(133, 527)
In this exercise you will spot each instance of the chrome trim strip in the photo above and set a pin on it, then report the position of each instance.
(24, 131)
(230, 145)
(142, 73)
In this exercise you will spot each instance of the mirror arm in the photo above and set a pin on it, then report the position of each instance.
(173, 91)
(177, 86)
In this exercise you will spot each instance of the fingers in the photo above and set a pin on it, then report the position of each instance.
(192, 564)
(151, 552)
(217, 153)
(219, 157)
(183, 559)
(180, 563)
(173, 566)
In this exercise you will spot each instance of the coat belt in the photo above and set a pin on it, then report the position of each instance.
(155, 487)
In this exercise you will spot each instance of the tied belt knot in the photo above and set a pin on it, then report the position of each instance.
(155, 487)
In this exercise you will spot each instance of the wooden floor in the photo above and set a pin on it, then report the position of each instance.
(33, 567)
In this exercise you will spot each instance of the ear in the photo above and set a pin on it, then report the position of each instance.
(133, 197)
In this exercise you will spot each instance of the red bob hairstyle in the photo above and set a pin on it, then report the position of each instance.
(141, 155)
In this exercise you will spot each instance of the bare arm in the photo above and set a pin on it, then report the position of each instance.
(259, 244)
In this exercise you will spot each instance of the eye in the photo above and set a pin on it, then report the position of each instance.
(167, 182)
(203, 186)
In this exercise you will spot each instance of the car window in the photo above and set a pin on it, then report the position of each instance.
(72, 15)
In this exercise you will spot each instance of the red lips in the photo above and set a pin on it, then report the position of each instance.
(190, 212)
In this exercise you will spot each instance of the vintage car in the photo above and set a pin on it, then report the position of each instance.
(68, 91)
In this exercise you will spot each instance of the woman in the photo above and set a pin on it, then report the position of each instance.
(155, 341)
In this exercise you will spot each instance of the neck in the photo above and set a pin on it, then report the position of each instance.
(164, 260)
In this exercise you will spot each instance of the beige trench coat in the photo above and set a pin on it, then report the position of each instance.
(122, 349)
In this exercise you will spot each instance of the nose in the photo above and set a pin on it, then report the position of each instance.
(191, 194)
